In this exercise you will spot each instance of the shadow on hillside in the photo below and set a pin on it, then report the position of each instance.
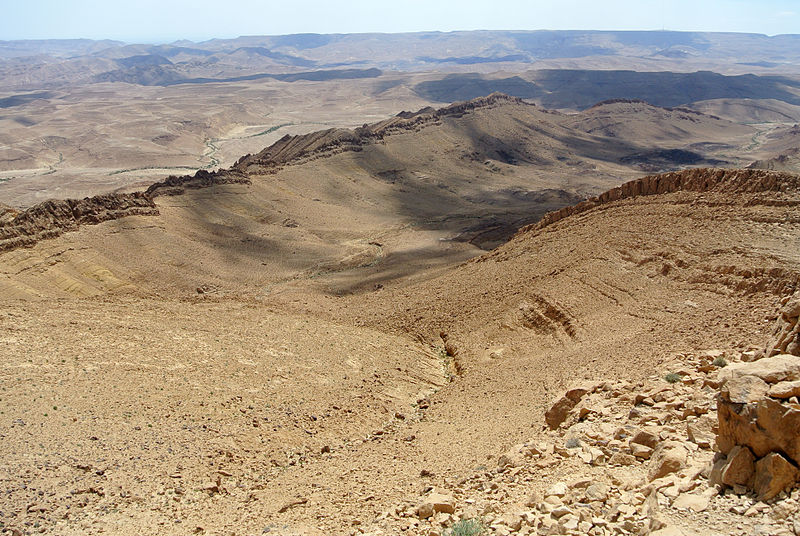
(479, 189)
(580, 89)
(394, 267)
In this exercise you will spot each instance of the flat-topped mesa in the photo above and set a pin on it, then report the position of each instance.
(302, 148)
(54, 217)
(731, 181)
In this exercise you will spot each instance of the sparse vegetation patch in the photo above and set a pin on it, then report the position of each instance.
(672, 377)
(467, 527)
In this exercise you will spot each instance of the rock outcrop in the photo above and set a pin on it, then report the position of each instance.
(623, 459)
(786, 336)
(723, 181)
(174, 185)
(759, 424)
(54, 217)
(559, 411)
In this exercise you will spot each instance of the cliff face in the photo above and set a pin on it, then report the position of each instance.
(728, 181)
(54, 217)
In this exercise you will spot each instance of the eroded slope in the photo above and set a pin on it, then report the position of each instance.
(215, 392)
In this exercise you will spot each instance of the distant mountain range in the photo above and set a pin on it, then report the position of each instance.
(52, 63)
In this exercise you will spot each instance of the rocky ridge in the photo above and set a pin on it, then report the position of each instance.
(54, 217)
(177, 185)
(722, 181)
(292, 150)
(306, 147)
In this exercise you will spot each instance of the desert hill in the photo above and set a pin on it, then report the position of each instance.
(750, 110)
(636, 119)
(786, 161)
(403, 195)
(206, 421)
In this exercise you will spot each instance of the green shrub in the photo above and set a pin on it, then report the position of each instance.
(672, 377)
(466, 527)
(719, 361)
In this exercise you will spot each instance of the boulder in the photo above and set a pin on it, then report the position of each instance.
(773, 474)
(641, 451)
(512, 520)
(779, 368)
(744, 389)
(691, 501)
(434, 503)
(792, 307)
(596, 491)
(785, 389)
(739, 467)
(668, 457)
(715, 470)
(559, 411)
(559, 489)
(514, 457)
(764, 426)
(620, 458)
(701, 431)
(647, 438)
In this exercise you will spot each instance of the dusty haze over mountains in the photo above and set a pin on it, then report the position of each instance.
(423, 283)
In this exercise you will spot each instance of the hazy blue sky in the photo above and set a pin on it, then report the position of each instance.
(168, 20)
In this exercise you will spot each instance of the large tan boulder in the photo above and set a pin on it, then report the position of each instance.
(436, 502)
(778, 368)
(668, 457)
(739, 467)
(744, 389)
(785, 389)
(773, 474)
(559, 411)
(764, 426)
